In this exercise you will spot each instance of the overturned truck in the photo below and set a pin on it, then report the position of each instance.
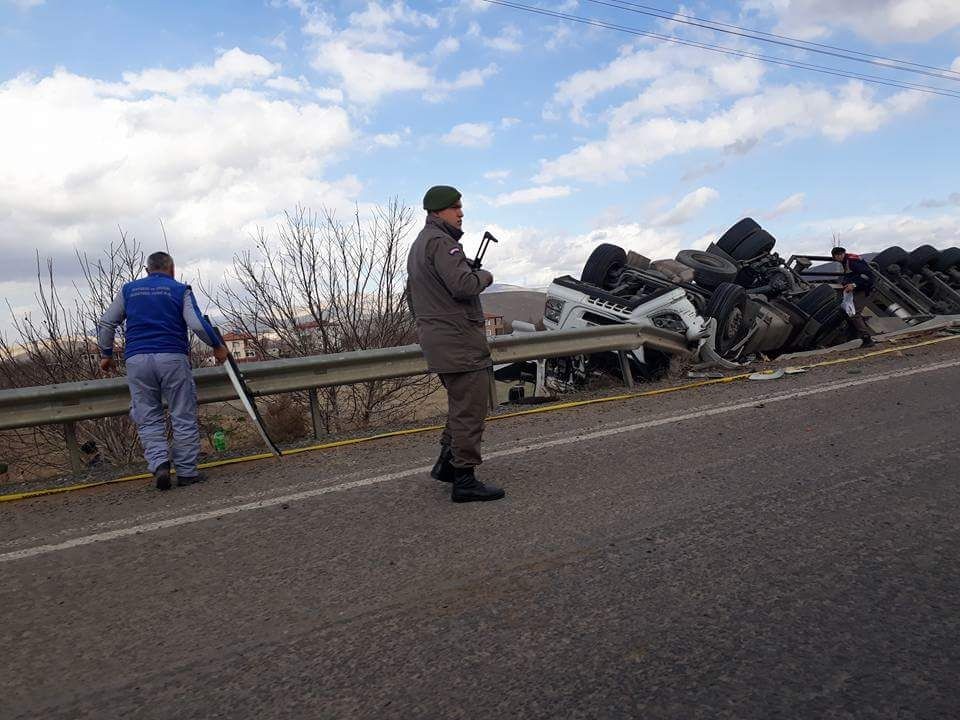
(739, 300)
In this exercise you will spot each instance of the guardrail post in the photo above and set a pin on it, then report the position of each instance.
(540, 389)
(73, 447)
(315, 418)
(625, 369)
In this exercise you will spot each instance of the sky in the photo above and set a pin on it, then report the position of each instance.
(214, 117)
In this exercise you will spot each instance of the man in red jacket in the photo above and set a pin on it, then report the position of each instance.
(857, 285)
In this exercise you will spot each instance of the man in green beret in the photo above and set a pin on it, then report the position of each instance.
(444, 292)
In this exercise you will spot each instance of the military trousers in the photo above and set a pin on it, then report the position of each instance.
(468, 400)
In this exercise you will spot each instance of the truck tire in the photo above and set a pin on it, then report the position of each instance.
(923, 256)
(949, 258)
(708, 270)
(820, 298)
(602, 260)
(831, 317)
(892, 256)
(759, 242)
(728, 305)
(735, 235)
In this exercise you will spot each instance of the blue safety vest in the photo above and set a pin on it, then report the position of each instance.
(154, 309)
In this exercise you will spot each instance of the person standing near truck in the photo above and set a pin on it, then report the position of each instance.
(857, 282)
(158, 310)
(443, 289)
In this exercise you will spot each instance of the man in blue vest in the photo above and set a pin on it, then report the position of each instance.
(158, 311)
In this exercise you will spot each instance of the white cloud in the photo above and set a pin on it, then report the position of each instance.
(469, 135)
(509, 122)
(334, 95)
(560, 35)
(531, 195)
(287, 84)
(509, 40)
(475, 5)
(376, 25)
(872, 233)
(951, 199)
(956, 65)
(496, 175)
(789, 111)
(878, 20)
(81, 157)
(688, 207)
(534, 256)
(27, 4)
(447, 46)
(789, 205)
(279, 41)
(701, 170)
(676, 77)
(234, 67)
(387, 139)
(466, 79)
(368, 58)
(367, 76)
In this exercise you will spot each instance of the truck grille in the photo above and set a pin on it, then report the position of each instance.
(607, 305)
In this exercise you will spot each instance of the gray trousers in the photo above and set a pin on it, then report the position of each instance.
(468, 399)
(153, 378)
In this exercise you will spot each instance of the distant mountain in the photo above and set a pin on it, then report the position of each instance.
(514, 303)
(506, 287)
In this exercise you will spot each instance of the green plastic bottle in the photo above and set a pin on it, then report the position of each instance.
(220, 441)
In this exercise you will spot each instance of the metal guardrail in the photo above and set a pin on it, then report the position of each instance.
(69, 402)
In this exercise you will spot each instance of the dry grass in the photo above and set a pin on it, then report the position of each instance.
(286, 420)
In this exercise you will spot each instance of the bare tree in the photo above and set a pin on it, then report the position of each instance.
(58, 345)
(322, 285)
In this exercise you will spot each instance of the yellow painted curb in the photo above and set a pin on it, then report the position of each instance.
(416, 431)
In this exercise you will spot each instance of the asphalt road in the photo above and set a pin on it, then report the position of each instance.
(786, 549)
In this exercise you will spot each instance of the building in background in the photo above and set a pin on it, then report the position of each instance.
(493, 324)
(241, 346)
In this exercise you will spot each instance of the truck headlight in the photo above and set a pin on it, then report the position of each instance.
(553, 309)
(669, 321)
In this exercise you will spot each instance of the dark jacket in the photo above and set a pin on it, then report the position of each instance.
(858, 272)
(444, 293)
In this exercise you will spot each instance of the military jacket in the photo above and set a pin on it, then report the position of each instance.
(444, 294)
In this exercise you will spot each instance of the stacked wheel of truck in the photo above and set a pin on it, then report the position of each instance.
(743, 257)
(929, 275)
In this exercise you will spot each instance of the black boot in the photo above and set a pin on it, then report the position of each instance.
(182, 481)
(162, 474)
(442, 469)
(466, 487)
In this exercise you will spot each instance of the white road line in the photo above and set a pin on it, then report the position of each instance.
(566, 440)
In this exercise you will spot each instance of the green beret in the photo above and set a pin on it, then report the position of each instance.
(440, 197)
